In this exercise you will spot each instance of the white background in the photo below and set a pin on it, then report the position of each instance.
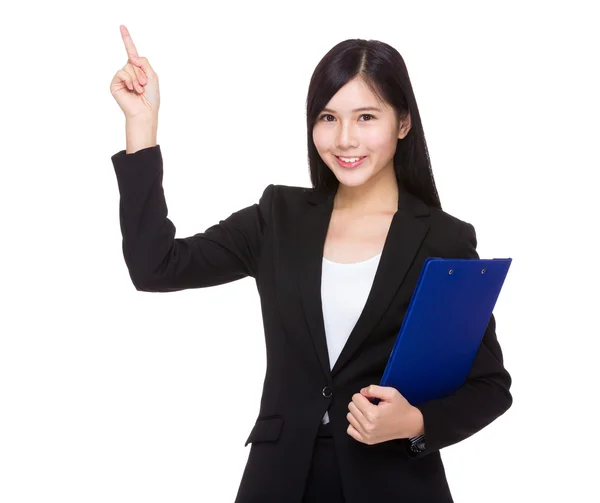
(110, 394)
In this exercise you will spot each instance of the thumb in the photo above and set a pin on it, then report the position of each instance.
(375, 391)
(143, 64)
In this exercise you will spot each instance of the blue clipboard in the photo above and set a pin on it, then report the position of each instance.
(442, 330)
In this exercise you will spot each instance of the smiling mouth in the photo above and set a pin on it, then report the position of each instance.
(358, 157)
(351, 164)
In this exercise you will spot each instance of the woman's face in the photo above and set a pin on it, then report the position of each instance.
(341, 130)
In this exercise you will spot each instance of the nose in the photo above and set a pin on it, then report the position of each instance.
(346, 138)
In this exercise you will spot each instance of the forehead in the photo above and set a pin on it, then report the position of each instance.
(354, 94)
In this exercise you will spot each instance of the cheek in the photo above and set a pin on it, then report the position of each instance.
(321, 140)
(377, 141)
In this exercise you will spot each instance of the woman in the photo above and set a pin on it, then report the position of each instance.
(335, 268)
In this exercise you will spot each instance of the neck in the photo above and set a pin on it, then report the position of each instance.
(379, 194)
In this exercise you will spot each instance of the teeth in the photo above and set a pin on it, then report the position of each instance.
(350, 159)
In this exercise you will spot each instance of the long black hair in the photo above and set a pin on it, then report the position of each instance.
(382, 69)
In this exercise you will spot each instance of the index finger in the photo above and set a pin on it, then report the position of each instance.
(363, 403)
(129, 45)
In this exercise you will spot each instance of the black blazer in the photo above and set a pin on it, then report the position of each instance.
(279, 241)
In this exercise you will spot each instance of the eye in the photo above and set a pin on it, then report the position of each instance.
(329, 115)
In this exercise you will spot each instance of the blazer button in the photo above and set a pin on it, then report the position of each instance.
(327, 392)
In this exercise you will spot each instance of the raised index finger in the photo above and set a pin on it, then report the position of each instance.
(129, 45)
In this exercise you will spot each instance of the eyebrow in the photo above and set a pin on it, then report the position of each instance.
(361, 109)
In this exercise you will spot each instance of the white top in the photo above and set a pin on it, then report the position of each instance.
(344, 292)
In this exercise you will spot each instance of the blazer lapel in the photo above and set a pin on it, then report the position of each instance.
(406, 233)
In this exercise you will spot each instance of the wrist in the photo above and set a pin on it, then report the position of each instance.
(417, 423)
(140, 132)
(143, 117)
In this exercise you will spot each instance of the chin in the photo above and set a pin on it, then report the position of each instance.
(351, 182)
(352, 179)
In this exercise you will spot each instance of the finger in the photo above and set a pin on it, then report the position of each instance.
(358, 416)
(141, 76)
(125, 77)
(129, 45)
(363, 403)
(130, 81)
(142, 63)
(354, 433)
(355, 422)
(375, 391)
(130, 69)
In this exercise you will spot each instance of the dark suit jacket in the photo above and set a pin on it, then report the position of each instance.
(279, 241)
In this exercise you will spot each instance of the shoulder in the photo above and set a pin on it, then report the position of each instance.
(450, 234)
(444, 220)
(288, 190)
(293, 192)
(282, 196)
(282, 202)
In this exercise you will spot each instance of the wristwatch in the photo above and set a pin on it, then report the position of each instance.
(417, 444)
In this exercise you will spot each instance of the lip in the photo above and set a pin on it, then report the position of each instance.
(350, 164)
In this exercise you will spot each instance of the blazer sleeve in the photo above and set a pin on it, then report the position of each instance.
(159, 262)
(486, 393)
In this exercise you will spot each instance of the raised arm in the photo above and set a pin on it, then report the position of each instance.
(159, 262)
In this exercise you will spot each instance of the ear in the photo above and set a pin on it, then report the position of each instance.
(405, 125)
